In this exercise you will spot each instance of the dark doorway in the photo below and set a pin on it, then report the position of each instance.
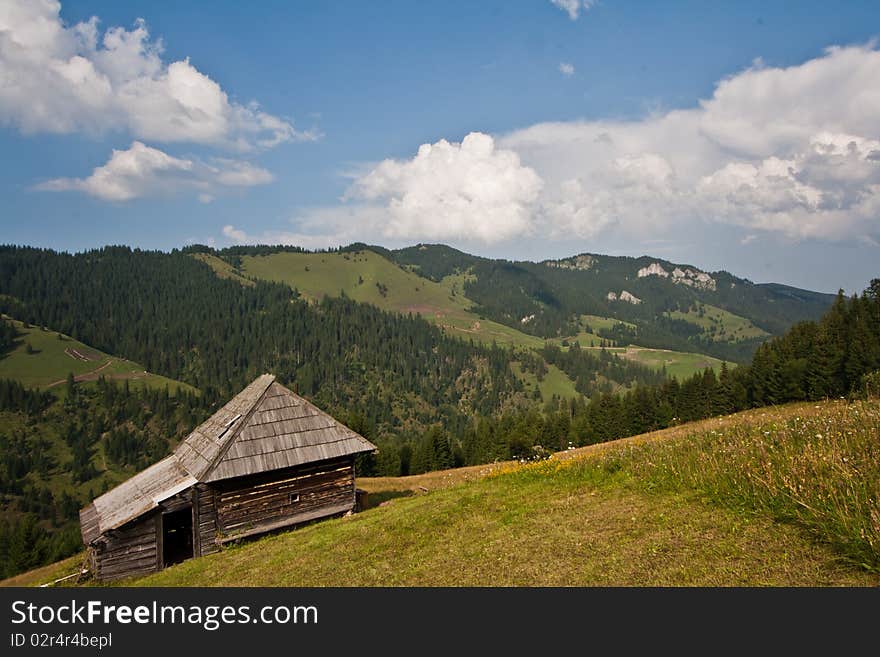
(177, 536)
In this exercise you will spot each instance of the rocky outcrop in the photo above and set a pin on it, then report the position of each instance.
(693, 278)
(654, 269)
(623, 296)
(580, 262)
(687, 276)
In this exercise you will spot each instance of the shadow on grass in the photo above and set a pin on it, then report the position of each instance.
(376, 499)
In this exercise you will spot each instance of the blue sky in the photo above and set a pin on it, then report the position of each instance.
(723, 135)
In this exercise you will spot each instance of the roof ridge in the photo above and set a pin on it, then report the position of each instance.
(283, 447)
(229, 438)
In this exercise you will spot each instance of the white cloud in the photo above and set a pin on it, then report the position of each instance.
(466, 191)
(234, 234)
(765, 111)
(64, 79)
(792, 152)
(573, 7)
(566, 69)
(786, 150)
(831, 188)
(642, 185)
(144, 171)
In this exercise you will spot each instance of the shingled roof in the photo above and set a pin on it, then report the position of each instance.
(264, 427)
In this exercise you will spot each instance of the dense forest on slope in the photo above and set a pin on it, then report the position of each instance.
(57, 455)
(171, 313)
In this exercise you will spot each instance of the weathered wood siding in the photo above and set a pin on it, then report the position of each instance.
(130, 550)
(246, 505)
(228, 509)
(206, 529)
(88, 523)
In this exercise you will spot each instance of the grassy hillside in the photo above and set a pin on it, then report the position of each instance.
(596, 322)
(679, 364)
(53, 356)
(222, 268)
(720, 325)
(781, 497)
(368, 277)
(555, 382)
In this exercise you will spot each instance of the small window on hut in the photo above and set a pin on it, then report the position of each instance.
(293, 498)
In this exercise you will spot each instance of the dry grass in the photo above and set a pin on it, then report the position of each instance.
(528, 531)
(46, 574)
(814, 465)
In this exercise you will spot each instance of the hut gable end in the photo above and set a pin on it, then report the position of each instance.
(285, 430)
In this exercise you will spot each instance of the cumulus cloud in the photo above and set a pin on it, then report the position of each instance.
(831, 188)
(790, 150)
(640, 184)
(767, 111)
(144, 171)
(786, 151)
(566, 69)
(573, 7)
(63, 79)
(461, 191)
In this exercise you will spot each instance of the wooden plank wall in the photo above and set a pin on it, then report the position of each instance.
(129, 550)
(206, 529)
(88, 522)
(246, 503)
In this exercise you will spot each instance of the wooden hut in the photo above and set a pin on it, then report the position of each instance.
(268, 459)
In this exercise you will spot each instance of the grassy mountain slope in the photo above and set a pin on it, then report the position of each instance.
(774, 496)
(718, 324)
(554, 382)
(557, 292)
(674, 306)
(368, 276)
(222, 268)
(54, 355)
(677, 364)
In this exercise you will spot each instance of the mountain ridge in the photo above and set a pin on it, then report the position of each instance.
(548, 299)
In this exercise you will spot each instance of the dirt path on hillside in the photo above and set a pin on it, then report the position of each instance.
(88, 376)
